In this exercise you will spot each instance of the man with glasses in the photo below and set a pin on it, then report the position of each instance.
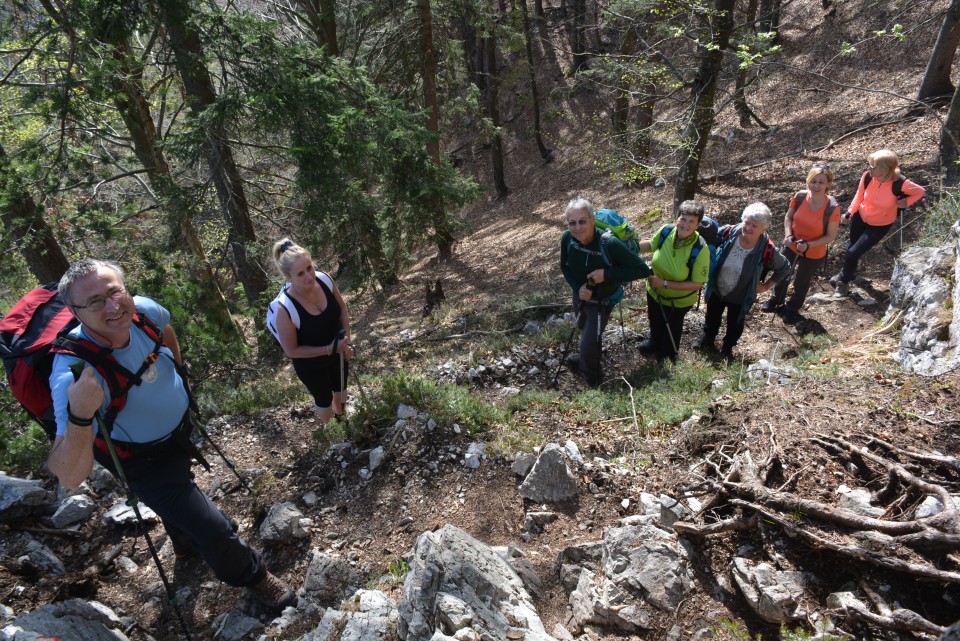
(594, 266)
(150, 432)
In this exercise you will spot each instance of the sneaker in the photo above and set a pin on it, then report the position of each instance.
(843, 289)
(791, 317)
(273, 593)
(770, 306)
(704, 344)
(646, 346)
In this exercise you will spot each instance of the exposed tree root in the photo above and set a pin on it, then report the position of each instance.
(852, 551)
(900, 619)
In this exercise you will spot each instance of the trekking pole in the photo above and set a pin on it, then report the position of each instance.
(599, 342)
(566, 349)
(182, 370)
(342, 334)
(77, 369)
(666, 324)
(901, 213)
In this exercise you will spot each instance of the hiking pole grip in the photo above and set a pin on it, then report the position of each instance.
(77, 369)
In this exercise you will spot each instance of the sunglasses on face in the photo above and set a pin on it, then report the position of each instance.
(573, 223)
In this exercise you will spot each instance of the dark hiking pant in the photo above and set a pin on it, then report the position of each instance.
(592, 321)
(666, 327)
(805, 270)
(164, 483)
(862, 238)
(711, 324)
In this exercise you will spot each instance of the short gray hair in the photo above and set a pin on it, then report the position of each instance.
(81, 268)
(578, 203)
(758, 213)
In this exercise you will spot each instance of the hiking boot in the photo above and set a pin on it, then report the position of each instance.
(704, 344)
(843, 289)
(646, 346)
(727, 354)
(572, 362)
(791, 317)
(835, 279)
(273, 593)
(770, 306)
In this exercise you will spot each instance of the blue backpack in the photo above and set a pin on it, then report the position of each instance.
(608, 221)
(709, 231)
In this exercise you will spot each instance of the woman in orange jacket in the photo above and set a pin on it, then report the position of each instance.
(873, 211)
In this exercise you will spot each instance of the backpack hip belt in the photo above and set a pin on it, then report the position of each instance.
(177, 441)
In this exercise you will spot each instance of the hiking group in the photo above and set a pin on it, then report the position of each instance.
(599, 252)
(101, 369)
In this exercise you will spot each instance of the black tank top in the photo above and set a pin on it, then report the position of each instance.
(318, 329)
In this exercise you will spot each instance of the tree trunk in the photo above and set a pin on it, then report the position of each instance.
(694, 136)
(198, 85)
(950, 143)
(645, 107)
(621, 101)
(740, 95)
(578, 40)
(130, 100)
(769, 19)
(25, 224)
(545, 153)
(489, 43)
(321, 16)
(441, 225)
(936, 87)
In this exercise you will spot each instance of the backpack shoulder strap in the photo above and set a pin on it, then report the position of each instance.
(103, 361)
(898, 187)
(800, 196)
(665, 233)
(832, 205)
(286, 303)
(604, 239)
(767, 257)
(694, 252)
(325, 278)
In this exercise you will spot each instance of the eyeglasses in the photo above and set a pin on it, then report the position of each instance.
(97, 303)
(871, 166)
(574, 223)
(820, 165)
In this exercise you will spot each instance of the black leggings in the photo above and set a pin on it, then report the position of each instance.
(666, 327)
(862, 238)
(322, 377)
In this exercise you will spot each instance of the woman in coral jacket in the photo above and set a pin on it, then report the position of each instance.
(874, 211)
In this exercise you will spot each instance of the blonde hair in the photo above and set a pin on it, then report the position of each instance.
(286, 253)
(886, 164)
(817, 170)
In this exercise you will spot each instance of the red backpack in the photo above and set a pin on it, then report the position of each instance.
(35, 330)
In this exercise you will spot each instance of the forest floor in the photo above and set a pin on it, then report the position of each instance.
(508, 252)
